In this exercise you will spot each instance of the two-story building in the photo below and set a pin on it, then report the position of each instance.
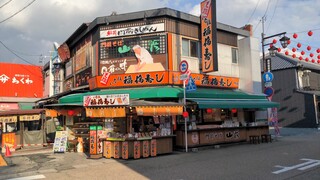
(135, 65)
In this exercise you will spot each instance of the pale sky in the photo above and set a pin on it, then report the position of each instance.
(32, 32)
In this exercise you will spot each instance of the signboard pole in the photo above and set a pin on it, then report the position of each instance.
(185, 119)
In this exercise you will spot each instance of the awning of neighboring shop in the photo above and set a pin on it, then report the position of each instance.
(21, 112)
(26, 105)
(234, 103)
(106, 112)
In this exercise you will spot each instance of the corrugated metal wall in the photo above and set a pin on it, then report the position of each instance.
(296, 109)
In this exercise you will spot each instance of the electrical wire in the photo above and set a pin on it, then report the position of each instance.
(304, 31)
(272, 15)
(253, 11)
(21, 59)
(266, 9)
(256, 26)
(16, 54)
(17, 12)
(5, 4)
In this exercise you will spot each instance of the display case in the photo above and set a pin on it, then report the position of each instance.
(138, 137)
(220, 126)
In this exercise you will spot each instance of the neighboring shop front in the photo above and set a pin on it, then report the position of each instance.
(23, 128)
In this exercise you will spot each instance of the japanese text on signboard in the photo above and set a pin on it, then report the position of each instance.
(106, 100)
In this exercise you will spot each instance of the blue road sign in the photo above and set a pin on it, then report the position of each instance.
(191, 85)
(267, 77)
(268, 91)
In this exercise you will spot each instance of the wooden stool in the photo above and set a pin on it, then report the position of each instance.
(254, 139)
(266, 138)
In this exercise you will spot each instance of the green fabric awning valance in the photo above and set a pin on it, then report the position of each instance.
(134, 93)
(204, 97)
(236, 103)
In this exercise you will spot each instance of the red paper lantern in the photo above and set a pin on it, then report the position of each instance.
(279, 49)
(286, 53)
(318, 61)
(274, 41)
(234, 110)
(295, 35)
(302, 52)
(288, 41)
(300, 58)
(209, 111)
(318, 50)
(309, 48)
(70, 112)
(313, 60)
(270, 45)
(185, 114)
(311, 54)
(319, 56)
(299, 45)
(294, 56)
(294, 49)
(307, 59)
(310, 33)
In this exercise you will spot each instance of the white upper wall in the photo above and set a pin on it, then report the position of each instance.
(247, 69)
(225, 65)
(249, 65)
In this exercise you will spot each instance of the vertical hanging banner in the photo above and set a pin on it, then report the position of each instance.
(209, 36)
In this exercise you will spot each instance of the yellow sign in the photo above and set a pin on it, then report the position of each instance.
(8, 119)
(159, 110)
(106, 112)
(30, 117)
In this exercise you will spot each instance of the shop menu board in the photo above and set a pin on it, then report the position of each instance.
(60, 142)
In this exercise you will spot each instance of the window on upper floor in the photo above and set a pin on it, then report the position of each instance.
(235, 56)
(190, 48)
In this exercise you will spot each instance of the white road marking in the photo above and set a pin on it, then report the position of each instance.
(303, 166)
(29, 177)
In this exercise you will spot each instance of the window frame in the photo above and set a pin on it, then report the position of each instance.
(197, 51)
(236, 58)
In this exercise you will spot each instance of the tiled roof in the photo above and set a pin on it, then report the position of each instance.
(282, 61)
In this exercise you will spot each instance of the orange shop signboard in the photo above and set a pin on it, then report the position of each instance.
(20, 80)
(162, 78)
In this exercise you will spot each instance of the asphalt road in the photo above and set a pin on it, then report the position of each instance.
(293, 156)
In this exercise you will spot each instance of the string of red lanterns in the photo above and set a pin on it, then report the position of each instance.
(299, 45)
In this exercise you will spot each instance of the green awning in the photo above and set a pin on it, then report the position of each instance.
(222, 94)
(26, 105)
(204, 97)
(134, 93)
(236, 103)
